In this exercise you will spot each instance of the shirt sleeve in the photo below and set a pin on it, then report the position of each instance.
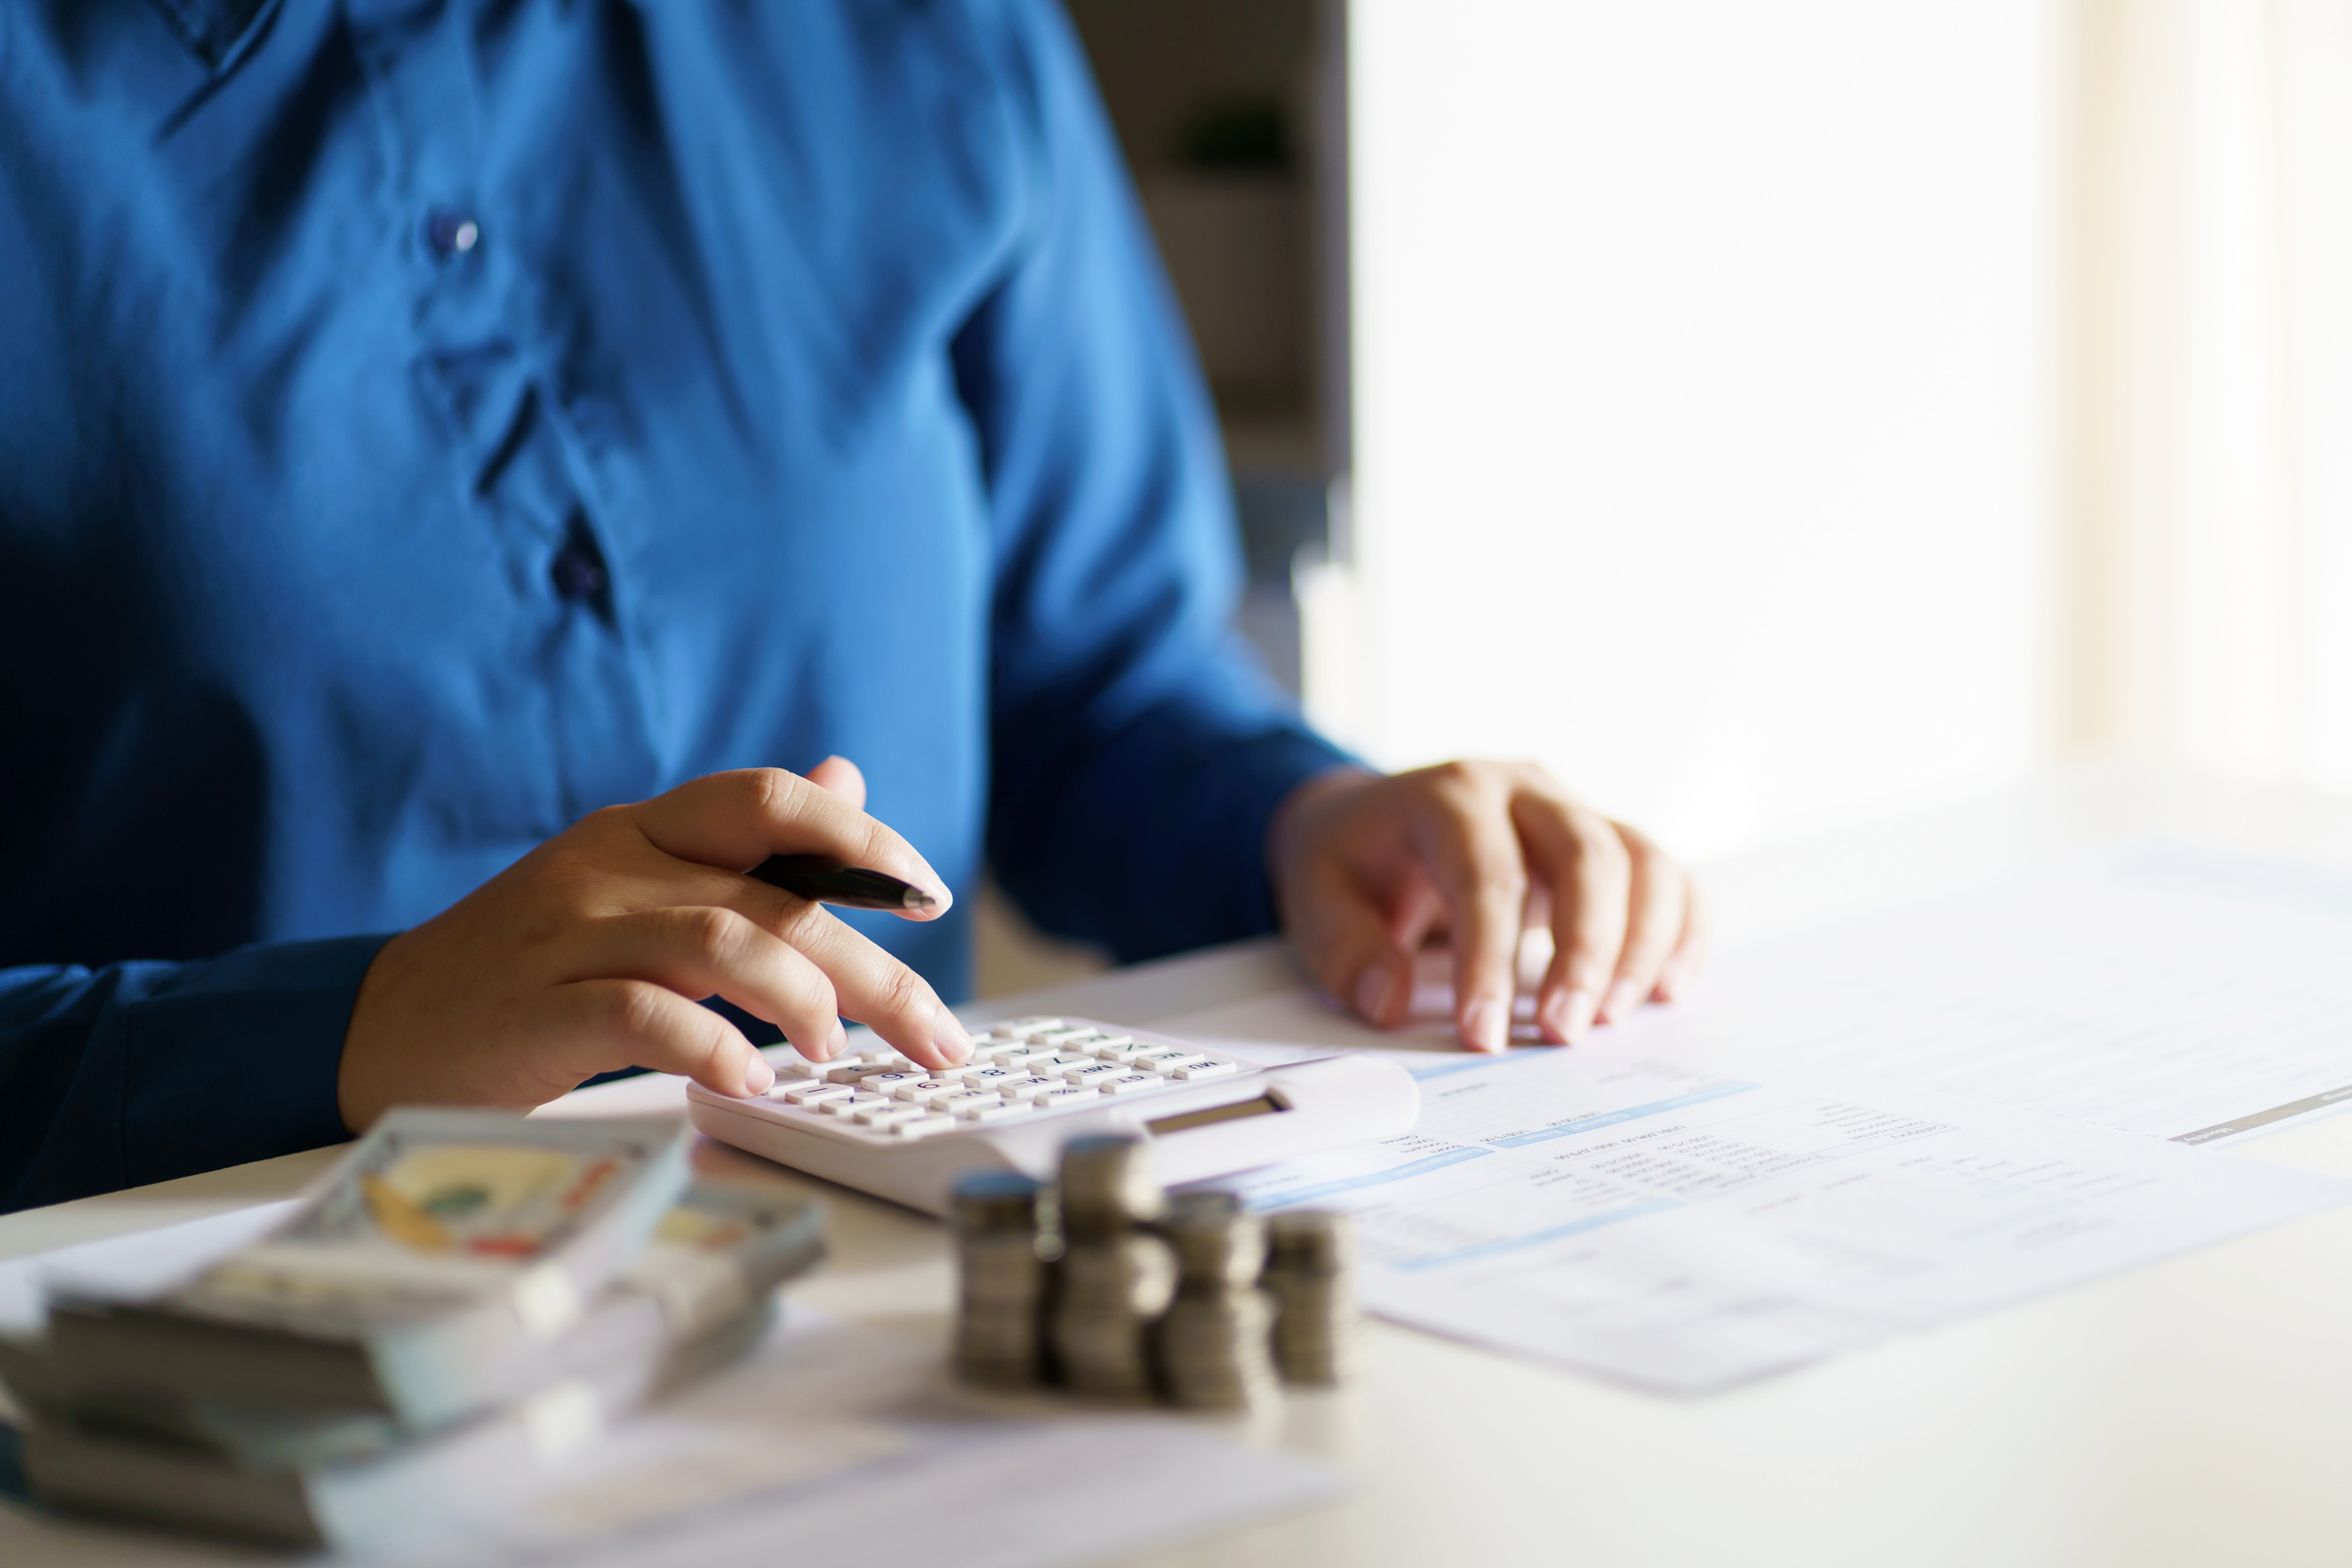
(139, 1072)
(1139, 750)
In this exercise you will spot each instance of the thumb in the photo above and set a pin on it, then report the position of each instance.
(840, 776)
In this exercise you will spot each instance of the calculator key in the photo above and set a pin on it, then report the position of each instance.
(1068, 1095)
(959, 1073)
(853, 1104)
(1114, 1047)
(889, 1083)
(913, 1092)
(1093, 1073)
(852, 1072)
(922, 1126)
(1002, 1110)
(965, 1099)
(884, 1114)
(1060, 1039)
(1168, 1062)
(1130, 1083)
(793, 1067)
(1206, 1069)
(1020, 1056)
(1059, 1063)
(1028, 1088)
(816, 1093)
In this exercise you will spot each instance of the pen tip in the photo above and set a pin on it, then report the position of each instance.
(918, 899)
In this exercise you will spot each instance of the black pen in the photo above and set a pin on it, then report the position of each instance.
(826, 880)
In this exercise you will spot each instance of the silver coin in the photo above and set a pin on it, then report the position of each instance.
(990, 1201)
(1310, 1243)
(1130, 1276)
(1214, 1350)
(1219, 1244)
(1107, 1187)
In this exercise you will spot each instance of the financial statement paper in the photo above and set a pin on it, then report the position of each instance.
(1867, 1130)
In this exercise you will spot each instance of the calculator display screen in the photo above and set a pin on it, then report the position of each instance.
(1262, 1106)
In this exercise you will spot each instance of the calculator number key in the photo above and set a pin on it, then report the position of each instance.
(1133, 1083)
(1165, 1063)
(988, 1115)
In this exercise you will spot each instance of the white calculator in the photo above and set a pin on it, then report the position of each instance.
(874, 1120)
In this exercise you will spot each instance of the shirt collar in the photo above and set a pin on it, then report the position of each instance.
(217, 30)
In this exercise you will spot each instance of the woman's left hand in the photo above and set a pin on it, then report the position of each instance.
(1366, 866)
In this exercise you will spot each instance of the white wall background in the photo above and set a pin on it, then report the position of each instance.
(1770, 410)
(2215, 429)
(1703, 399)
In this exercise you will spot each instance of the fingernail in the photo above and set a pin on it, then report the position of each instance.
(1551, 1016)
(1577, 1010)
(1624, 998)
(1487, 1025)
(758, 1078)
(949, 1039)
(1373, 988)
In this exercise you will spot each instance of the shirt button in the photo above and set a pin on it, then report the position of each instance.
(577, 572)
(452, 232)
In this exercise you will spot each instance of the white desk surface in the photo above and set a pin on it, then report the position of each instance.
(2199, 1411)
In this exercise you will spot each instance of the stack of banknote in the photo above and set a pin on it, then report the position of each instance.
(464, 1300)
(1105, 1284)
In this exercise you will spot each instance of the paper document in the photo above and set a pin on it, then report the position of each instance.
(2173, 991)
(806, 1453)
(1684, 1230)
(1876, 1126)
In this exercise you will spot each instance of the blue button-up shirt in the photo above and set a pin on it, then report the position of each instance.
(423, 422)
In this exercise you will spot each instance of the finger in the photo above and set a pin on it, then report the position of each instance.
(1580, 855)
(1474, 859)
(838, 775)
(735, 820)
(1346, 942)
(635, 1023)
(1653, 924)
(1689, 953)
(705, 951)
(1419, 910)
(871, 987)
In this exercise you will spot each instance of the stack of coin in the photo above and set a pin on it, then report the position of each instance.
(1115, 1278)
(1107, 1188)
(1003, 1279)
(1311, 1274)
(1214, 1346)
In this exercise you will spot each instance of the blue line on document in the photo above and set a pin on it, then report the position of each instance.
(1422, 1075)
(1419, 1167)
(1511, 1244)
(1585, 1124)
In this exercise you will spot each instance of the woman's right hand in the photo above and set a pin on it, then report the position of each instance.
(591, 952)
